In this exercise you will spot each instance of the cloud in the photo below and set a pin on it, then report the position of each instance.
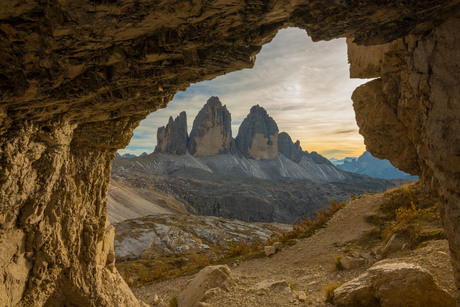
(349, 131)
(303, 85)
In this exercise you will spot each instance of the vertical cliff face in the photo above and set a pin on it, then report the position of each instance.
(258, 135)
(212, 130)
(410, 114)
(173, 138)
(76, 77)
(55, 233)
(291, 150)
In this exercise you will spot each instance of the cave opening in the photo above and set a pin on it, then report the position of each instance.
(304, 85)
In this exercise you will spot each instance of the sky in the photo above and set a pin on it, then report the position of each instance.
(304, 86)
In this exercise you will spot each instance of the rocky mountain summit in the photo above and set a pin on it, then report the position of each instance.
(174, 137)
(291, 150)
(212, 135)
(212, 130)
(258, 135)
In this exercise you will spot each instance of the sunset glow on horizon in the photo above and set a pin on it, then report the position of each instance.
(304, 86)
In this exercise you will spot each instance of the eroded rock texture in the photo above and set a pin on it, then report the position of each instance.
(291, 150)
(411, 113)
(173, 138)
(76, 77)
(258, 135)
(212, 130)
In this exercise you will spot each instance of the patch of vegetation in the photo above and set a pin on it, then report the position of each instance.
(338, 264)
(173, 301)
(308, 226)
(407, 212)
(330, 292)
(242, 248)
(291, 242)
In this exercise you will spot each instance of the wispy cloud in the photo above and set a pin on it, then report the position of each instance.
(303, 85)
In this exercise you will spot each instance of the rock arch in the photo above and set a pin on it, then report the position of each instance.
(76, 77)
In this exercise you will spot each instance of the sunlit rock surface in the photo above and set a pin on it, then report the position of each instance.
(212, 131)
(258, 135)
(163, 235)
(76, 77)
(410, 114)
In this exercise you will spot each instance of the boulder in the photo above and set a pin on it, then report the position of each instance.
(301, 296)
(273, 285)
(349, 262)
(278, 245)
(269, 250)
(212, 131)
(393, 284)
(173, 138)
(258, 135)
(397, 242)
(215, 276)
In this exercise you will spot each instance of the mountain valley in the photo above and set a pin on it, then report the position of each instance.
(260, 176)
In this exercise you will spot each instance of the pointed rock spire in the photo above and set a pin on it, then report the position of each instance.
(173, 138)
(291, 150)
(258, 135)
(211, 132)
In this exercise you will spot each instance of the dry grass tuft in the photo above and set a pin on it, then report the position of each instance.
(330, 292)
(408, 212)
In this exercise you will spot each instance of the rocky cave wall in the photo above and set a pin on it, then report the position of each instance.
(76, 77)
(410, 114)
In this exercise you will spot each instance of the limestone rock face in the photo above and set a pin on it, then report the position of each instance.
(258, 135)
(76, 77)
(212, 131)
(291, 150)
(215, 276)
(173, 138)
(410, 114)
(393, 284)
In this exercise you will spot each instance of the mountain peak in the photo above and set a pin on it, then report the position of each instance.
(258, 135)
(174, 137)
(291, 150)
(211, 132)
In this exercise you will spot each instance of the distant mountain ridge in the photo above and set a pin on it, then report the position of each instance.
(129, 155)
(367, 164)
(341, 161)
